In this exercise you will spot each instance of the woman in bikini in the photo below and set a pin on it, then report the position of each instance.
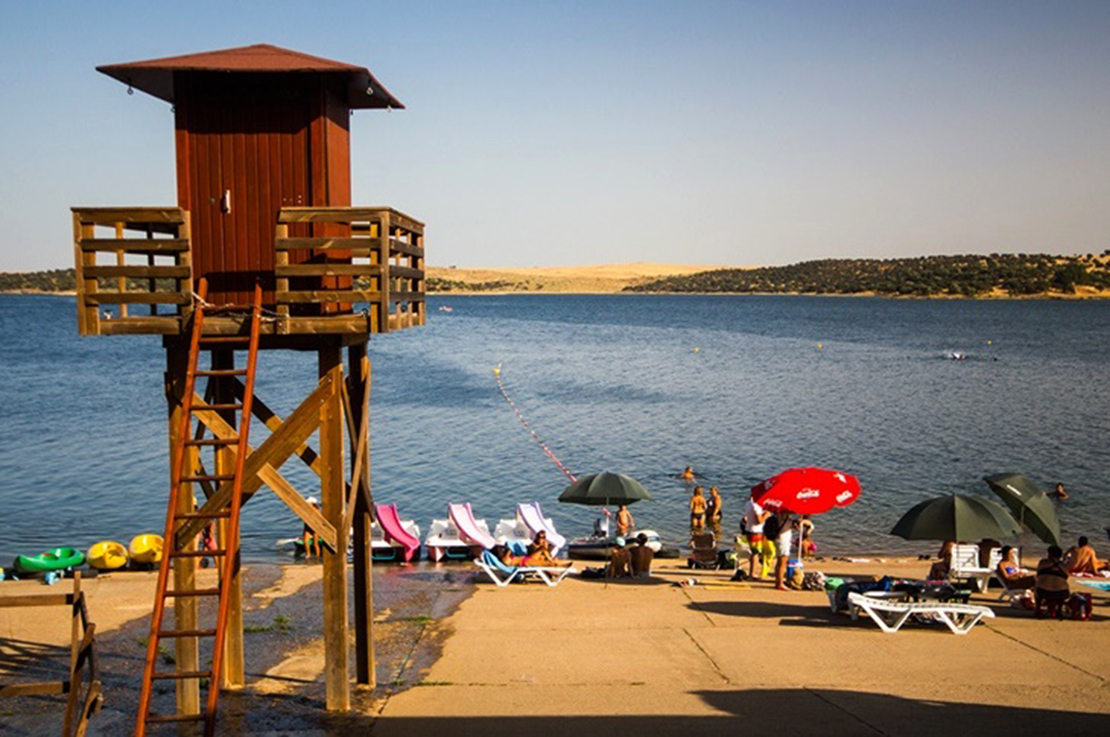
(1052, 578)
(698, 507)
(1011, 571)
(714, 510)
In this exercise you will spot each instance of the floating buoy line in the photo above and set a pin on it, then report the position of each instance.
(527, 426)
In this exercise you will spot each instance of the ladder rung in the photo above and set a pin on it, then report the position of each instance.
(221, 372)
(215, 407)
(204, 515)
(209, 477)
(177, 675)
(196, 553)
(175, 717)
(224, 339)
(214, 441)
(187, 633)
(194, 592)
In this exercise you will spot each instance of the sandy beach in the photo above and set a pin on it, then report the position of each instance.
(597, 657)
(602, 279)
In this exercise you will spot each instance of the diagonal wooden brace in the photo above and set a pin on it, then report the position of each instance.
(262, 463)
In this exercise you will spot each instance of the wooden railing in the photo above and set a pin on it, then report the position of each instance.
(84, 670)
(162, 276)
(378, 260)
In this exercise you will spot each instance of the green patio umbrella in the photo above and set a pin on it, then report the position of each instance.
(605, 489)
(956, 517)
(1029, 504)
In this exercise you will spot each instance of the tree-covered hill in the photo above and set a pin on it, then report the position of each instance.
(57, 280)
(964, 276)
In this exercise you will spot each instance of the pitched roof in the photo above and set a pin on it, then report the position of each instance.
(155, 76)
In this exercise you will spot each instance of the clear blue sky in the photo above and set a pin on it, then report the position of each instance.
(566, 133)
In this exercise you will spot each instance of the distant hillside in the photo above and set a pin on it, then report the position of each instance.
(57, 280)
(929, 276)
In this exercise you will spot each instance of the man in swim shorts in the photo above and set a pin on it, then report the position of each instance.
(754, 517)
(1082, 558)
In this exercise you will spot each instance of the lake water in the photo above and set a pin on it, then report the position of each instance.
(738, 387)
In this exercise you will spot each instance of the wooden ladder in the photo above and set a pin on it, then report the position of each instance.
(227, 555)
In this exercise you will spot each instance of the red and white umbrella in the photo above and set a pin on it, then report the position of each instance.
(806, 491)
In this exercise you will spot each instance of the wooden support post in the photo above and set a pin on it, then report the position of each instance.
(336, 670)
(386, 232)
(364, 583)
(233, 671)
(75, 637)
(184, 569)
(281, 258)
(121, 282)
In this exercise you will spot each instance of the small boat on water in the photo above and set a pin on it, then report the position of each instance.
(107, 555)
(598, 547)
(146, 548)
(392, 539)
(523, 528)
(58, 559)
(459, 537)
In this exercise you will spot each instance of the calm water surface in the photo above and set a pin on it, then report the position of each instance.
(738, 387)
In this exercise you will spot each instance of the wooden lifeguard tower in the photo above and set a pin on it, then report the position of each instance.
(262, 252)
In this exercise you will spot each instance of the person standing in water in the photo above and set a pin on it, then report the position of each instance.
(714, 509)
(698, 506)
(1059, 494)
(688, 474)
(625, 522)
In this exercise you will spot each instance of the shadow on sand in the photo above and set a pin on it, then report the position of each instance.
(775, 712)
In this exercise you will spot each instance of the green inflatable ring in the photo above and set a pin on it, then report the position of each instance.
(57, 559)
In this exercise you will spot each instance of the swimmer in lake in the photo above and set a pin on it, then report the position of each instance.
(688, 474)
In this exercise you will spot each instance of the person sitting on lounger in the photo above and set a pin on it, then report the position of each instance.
(1052, 577)
(1011, 572)
(539, 559)
(1082, 558)
(541, 545)
(939, 570)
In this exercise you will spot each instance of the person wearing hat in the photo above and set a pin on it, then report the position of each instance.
(308, 536)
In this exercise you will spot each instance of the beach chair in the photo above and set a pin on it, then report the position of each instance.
(502, 575)
(891, 615)
(703, 551)
(963, 563)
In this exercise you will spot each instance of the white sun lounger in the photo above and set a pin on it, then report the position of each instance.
(891, 615)
(964, 563)
(503, 575)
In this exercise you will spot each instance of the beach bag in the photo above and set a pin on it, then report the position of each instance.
(772, 527)
(813, 581)
(1079, 606)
